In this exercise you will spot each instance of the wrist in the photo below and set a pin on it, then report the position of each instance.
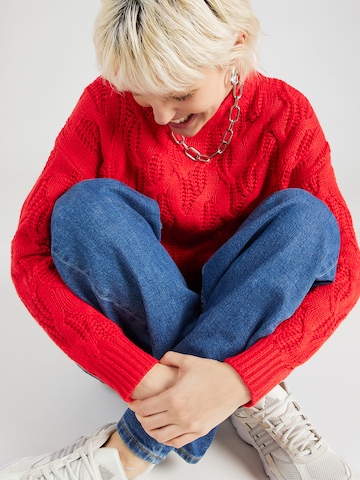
(240, 391)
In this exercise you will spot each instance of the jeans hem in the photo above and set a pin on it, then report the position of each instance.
(137, 448)
(141, 451)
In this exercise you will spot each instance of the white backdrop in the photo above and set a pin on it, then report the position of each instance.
(47, 58)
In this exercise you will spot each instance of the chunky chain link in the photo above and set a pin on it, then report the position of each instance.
(234, 115)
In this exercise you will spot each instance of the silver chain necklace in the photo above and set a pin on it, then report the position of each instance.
(234, 115)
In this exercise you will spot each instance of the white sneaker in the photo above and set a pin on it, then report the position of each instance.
(288, 445)
(84, 460)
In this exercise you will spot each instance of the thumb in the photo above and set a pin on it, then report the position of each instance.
(172, 359)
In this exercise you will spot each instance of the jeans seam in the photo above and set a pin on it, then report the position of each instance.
(334, 265)
(186, 455)
(95, 290)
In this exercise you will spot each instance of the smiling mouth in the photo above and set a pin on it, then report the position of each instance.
(182, 120)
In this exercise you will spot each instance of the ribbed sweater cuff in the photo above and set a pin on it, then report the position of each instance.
(122, 367)
(261, 367)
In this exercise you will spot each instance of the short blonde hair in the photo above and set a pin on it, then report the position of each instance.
(163, 46)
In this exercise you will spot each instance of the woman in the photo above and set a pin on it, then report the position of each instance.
(182, 244)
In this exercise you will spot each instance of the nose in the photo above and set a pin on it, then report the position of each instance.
(163, 111)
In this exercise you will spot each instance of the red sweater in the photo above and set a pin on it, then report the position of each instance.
(277, 144)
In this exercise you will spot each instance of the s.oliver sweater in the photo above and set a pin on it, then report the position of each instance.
(277, 144)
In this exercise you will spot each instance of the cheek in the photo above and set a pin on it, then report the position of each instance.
(206, 105)
(210, 107)
(209, 102)
(141, 101)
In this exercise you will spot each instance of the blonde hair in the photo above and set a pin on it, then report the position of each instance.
(163, 46)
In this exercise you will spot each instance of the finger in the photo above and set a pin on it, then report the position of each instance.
(172, 435)
(133, 405)
(150, 406)
(182, 440)
(172, 359)
(154, 422)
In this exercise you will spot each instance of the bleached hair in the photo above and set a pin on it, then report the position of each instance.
(163, 46)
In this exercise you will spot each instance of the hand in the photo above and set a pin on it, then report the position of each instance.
(159, 378)
(205, 394)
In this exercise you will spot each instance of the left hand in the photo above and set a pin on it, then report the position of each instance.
(205, 394)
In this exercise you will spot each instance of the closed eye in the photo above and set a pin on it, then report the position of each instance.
(182, 98)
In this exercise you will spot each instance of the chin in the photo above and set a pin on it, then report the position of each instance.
(194, 130)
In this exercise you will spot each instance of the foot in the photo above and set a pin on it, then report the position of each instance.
(288, 445)
(84, 460)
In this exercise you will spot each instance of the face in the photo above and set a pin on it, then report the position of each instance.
(187, 113)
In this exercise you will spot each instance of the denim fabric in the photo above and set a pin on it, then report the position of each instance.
(106, 247)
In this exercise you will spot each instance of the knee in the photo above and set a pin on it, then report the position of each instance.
(310, 216)
(101, 205)
(91, 200)
(310, 210)
(76, 208)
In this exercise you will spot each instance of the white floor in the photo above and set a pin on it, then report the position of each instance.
(46, 60)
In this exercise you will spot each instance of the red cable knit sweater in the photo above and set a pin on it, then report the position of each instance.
(277, 144)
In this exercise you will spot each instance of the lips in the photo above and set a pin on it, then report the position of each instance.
(182, 123)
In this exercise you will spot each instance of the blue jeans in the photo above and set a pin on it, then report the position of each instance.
(106, 247)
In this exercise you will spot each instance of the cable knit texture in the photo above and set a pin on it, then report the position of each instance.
(277, 144)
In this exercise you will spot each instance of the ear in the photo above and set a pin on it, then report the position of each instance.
(241, 38)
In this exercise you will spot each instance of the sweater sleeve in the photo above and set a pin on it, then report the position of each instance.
(84, 334)
(271, 359)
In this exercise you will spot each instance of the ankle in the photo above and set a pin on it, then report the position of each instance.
(132, 464)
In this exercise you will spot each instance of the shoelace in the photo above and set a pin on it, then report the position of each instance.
(290, 426)
(60, 469)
